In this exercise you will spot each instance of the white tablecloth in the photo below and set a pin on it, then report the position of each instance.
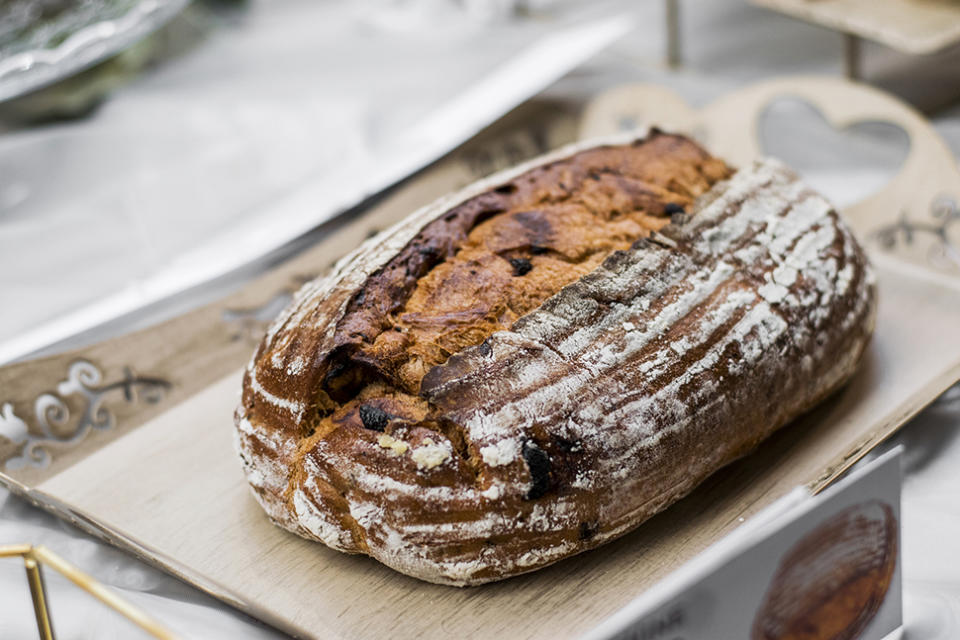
(727, 44)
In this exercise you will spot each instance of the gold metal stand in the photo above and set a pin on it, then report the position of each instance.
(34, 557)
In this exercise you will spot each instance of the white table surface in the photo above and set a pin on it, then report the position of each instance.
(726, 44)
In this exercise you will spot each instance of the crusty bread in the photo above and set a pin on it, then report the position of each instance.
(536, 365)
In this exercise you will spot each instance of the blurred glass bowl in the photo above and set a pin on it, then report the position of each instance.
(43, 41)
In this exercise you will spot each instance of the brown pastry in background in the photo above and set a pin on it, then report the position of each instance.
(831, 584)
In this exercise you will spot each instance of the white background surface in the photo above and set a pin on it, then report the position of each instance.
(208, 135)
(274, 118)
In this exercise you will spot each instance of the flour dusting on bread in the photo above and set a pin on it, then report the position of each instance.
(527, 369)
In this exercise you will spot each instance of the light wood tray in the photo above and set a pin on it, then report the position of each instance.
(163, 481)
(918, 27)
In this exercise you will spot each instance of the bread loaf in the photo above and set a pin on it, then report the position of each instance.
(534, 366)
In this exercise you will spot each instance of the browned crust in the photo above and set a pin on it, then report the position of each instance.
(504, 492)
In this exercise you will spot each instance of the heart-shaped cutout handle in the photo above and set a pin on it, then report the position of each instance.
(846, 165)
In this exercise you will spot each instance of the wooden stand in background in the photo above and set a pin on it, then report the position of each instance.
(926, 31)
(913, 27)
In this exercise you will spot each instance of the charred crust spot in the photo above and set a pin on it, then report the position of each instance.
(484, 348)
(486, 214)
(566, 445)
(521, 266)
(506, 189)
(587, 530)
(538, 250)
(593, 175)
(678, 215)
(373, 418)
(337, 368)
(538, 462)
(430, 252)
(537, 225)
(782, 342)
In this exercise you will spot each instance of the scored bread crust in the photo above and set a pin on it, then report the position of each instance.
(610, 401)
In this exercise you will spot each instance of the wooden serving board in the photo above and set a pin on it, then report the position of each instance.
(918, 27)
(170, 489)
